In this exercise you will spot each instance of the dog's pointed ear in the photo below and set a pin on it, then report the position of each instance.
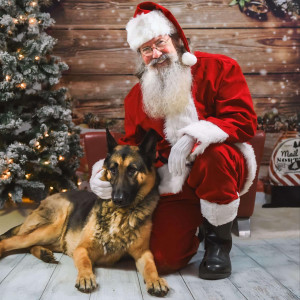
(111, 142)
(148, 145)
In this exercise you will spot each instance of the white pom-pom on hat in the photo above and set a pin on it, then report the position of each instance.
(189, 59)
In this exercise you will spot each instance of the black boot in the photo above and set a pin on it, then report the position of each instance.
(216, 263)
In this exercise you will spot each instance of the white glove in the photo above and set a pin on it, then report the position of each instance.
(101, 188)
(179, 152)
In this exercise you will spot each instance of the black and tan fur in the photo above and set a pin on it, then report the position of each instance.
(95, 231)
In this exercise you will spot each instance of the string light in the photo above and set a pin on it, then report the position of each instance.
(10, 161)
(61, 158)
(32, 21)
(47, 162)
(22, 18)
(79, 182)
(10, 195)
(37, 58)
(33, 3)
(5, 175)
(64, 190)
(7, 78)
(28, 176)
(46, 134)
(18, 50)
(21, 56)
(37, 145)
(9, 32)
(23, 85)
(51, 188)
(15, 21)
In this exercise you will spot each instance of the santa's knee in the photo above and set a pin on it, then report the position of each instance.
(167, 263)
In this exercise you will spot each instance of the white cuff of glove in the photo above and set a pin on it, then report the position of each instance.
(179, 153)
(101, 188)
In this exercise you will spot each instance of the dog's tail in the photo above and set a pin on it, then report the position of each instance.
(11, 232)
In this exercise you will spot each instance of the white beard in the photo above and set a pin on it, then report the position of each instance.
(166, 90)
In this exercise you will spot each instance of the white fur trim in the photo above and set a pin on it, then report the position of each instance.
(249, 155)
(204, 132)
(170, 183)
(145, 27)
(189, 59)
(97, 167)
(219, 214)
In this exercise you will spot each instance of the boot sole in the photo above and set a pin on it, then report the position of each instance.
(214, 276)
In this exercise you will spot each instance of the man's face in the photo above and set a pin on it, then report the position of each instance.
(155, 48)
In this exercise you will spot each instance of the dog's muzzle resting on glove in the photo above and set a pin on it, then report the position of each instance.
(96, 231)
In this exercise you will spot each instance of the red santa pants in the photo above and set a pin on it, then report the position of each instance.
(216, 176)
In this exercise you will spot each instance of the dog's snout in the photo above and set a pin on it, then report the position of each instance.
(120, 198)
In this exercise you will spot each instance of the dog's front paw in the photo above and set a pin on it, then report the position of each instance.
(86, 284)
(158, 287)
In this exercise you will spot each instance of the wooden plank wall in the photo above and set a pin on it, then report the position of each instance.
(92, 40)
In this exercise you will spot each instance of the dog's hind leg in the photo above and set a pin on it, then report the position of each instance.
(86, 280)
(11, 232)
(43, 254)
(45, 235)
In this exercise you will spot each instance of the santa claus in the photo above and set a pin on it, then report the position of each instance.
(200, 106)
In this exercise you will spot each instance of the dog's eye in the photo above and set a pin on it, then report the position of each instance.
(113, 170)
(131, 170)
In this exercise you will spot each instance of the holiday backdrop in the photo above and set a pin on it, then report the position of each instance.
(92, 40)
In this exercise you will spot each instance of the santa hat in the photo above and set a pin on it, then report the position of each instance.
(151, 20)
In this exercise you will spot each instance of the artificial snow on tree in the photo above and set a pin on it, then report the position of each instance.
(39, 144)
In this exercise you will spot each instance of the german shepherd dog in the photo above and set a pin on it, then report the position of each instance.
(96, 231)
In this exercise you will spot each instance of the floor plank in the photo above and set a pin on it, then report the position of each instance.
(178, 288)
(27, 280)
(275, 262)
(118, 282)
(62, 282)
(290, 247)
(8, 263)
(208, 289)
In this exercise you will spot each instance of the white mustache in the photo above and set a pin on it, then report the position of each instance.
(162, 58)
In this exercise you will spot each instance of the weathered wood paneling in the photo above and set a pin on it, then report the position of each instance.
(92, 40)
(107, 52)
(190, 14)
(104, 95)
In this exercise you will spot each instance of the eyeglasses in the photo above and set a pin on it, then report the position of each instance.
(159, 45)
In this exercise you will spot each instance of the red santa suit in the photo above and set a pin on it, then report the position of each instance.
(221, 118)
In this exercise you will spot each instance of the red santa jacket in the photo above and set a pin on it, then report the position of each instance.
(220, 110)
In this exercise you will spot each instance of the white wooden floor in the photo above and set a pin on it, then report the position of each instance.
(262, 269)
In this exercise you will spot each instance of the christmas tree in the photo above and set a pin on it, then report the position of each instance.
(39, 144)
